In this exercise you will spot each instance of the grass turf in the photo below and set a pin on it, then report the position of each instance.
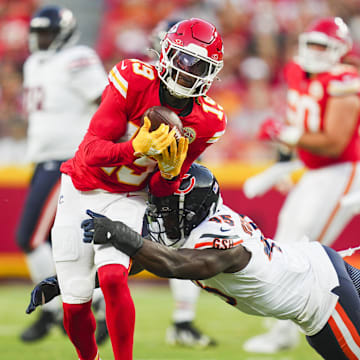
(154, 305)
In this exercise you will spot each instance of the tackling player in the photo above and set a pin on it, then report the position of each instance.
(63, 83)
(226, 254)
(115, 164)
(322, 126)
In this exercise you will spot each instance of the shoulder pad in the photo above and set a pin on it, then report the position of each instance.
(136, 72)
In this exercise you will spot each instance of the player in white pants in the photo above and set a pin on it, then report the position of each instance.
(322, 120)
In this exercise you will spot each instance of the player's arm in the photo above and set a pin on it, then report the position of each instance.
(341, 117)
(161, 186)
(189, 263)
(49, 288)
(163, 261)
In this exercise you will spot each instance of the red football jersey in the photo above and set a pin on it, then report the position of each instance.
(105, 157)
(306, 104)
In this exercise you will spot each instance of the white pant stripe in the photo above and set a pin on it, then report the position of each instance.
(346, 334)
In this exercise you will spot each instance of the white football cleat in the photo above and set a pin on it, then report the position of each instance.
(283, 335)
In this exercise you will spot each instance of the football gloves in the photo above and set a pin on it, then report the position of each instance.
(272, 129)
(43, 292)
(171, 159)
(101, 230)
(154, 142)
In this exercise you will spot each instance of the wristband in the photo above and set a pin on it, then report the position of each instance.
(290, 135)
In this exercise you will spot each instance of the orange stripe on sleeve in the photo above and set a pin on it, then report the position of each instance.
(208, 243)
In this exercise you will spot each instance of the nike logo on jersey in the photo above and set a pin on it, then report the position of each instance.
(123, 66)
(226, 229)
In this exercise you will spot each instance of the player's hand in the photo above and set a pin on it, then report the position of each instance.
(272, 129)
(96, 230)
(102, 230)
(171, 159)
(43, 292)
(154, 142)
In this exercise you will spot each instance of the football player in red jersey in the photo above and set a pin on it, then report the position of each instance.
(116, 162)
(322, 126)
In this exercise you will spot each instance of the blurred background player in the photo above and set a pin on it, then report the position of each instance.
(322, 126)
(115, 164)
(63, 83)
(184, 292)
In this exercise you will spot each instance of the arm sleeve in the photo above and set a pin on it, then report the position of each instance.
(88, 76)
(108, 125)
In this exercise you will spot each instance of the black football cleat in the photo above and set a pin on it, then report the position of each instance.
(40, 328)
(101, 333)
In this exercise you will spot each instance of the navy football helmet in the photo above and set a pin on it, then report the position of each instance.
(171, 218)
(51, 28)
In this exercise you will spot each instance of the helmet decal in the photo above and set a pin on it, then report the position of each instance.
(189, 187)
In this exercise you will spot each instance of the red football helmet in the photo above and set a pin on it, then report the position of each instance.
(330, 33)
(191, 57)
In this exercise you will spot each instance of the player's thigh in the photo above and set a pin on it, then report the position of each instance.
(74, 259)
(129, 210)
(309, 206)
(40, 206)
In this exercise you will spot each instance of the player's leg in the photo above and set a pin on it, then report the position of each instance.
(183, 331)
(113, 268)
(313, 208)
(340, 216)
(75, 269)
(340, 338)
(33, 238)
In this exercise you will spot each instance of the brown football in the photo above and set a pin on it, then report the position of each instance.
(162, 115)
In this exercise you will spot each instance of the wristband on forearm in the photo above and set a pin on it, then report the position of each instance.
(125, 239)
(290, 135)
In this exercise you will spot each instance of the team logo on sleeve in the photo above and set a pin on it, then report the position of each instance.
(190, 133)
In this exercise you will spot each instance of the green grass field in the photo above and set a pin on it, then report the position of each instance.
(153, 314)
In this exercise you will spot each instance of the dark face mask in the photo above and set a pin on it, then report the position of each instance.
(172, 225)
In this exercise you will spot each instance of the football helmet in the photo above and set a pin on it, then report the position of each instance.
(191, 57)
(171, 218)
(51, 28)
(330, 33)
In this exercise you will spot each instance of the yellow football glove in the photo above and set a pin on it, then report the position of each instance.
(152, 143)
(171, 160)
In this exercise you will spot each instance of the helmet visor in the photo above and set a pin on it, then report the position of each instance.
(190, 64)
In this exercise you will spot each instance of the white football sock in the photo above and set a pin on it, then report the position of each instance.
(185, 295)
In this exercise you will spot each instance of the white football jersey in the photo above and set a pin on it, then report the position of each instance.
(60, 88)
(285, 281)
